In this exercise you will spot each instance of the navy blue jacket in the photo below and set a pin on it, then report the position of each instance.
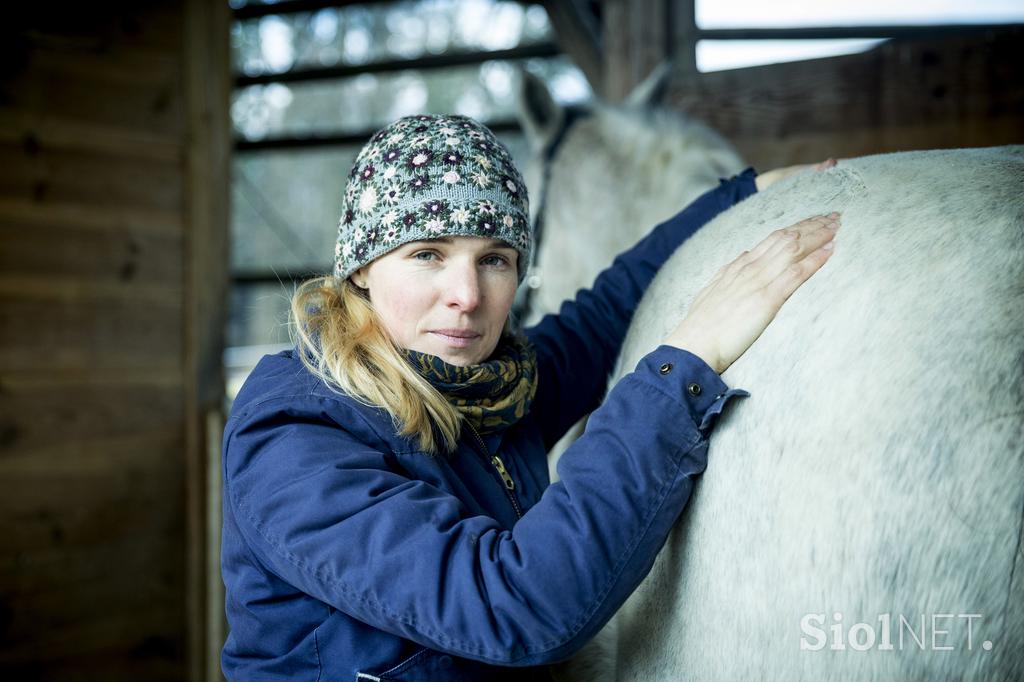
(348, 554)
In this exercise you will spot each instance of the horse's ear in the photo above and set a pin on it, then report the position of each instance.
(539, 115)
(652, 89)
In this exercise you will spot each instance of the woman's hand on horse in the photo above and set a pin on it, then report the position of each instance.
(768, 178)
(728, 315)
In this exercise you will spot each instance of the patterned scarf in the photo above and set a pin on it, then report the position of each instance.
(490, 395)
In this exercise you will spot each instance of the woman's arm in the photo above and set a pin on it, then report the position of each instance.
(576, 349)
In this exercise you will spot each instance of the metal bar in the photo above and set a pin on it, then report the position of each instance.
(320, 141)
(263, 277)
(832, 32)
(295, 7)
(432, 62)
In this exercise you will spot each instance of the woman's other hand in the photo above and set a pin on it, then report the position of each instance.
(728, 315)
(769, 178)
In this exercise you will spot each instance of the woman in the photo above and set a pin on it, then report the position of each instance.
(387, 507)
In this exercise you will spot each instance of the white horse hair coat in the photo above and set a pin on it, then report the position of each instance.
(861, 513)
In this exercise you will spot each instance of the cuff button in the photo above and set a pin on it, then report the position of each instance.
(693, 389)
(666, 368)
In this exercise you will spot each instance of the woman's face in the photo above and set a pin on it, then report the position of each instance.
(448, 297)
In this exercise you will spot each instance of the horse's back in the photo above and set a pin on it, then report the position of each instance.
(876, 471)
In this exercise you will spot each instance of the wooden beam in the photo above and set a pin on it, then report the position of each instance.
(685, 35)
(838, 32)
(579, 35)
(441, 61)
(638, 36)
(617, 39)
(296, 7)
(207, 170)
(357, 139)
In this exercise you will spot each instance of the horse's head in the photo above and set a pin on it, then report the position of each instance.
(601, 176)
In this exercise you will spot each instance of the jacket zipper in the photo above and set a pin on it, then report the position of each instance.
(499, 466)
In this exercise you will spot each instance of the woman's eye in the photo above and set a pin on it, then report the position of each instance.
(495, 260)
(424, 255)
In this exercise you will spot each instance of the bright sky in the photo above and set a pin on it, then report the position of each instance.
(715, 55)
(791, 13)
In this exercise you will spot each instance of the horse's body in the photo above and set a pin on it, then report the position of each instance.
(870, 493)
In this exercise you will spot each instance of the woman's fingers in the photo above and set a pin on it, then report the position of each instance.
(729, 314)
(783, 286)
(793, 244)
(775, 251)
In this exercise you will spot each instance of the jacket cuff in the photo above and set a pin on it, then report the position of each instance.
(685, 377)
(738, 187)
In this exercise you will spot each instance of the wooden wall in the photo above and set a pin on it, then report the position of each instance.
(939, 91)
(965, 91)
(113, 227)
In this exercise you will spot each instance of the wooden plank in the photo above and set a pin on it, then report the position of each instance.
(137, 94)
(65, 334)
(92, 503)
(85, 291)
(43, 130)
(43, 175)
(88, 217)
(67, 427)
(73, 540)
(99, 378)
(903, 95)
(101, 257)
(637, 38)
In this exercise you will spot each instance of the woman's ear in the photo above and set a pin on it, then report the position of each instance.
(359, 277)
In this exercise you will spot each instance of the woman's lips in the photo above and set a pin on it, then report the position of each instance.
(459, 338)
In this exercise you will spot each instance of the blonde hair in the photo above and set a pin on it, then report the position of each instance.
(341, 341)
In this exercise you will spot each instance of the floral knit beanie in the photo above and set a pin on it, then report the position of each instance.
(423, 177)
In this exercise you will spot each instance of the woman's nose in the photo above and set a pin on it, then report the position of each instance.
(462, 288)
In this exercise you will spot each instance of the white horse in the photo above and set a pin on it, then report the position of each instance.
(861, 513)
